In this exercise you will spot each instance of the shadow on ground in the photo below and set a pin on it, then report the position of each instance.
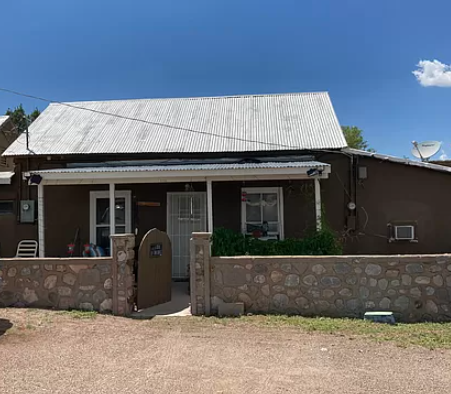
(178, 306)
(5, 325)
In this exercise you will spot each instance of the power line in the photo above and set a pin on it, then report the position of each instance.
(148, 122)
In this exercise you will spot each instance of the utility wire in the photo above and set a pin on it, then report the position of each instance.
(148, 122)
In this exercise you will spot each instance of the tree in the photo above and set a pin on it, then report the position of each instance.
(20, 118)
(354, 138)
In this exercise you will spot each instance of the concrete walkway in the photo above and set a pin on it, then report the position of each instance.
(180, 304)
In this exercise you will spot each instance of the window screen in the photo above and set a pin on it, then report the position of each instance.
(261, 212)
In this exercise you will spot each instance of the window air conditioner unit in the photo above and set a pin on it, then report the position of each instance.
(404, 233)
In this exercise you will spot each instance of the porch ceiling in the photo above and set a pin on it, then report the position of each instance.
(183, 173)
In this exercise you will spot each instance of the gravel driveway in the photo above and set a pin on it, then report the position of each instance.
(47, 352)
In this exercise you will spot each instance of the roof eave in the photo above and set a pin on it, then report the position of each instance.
(398, 160)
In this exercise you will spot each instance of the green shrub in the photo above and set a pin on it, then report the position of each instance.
(230, 243)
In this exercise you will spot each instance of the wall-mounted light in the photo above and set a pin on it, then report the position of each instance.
(314, 172)
(35, 179)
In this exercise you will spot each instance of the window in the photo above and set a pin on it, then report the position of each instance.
(100, 216)
(262, 212)
(6, 207)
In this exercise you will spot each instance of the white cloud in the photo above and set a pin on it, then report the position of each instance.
(433, 73)
(444, 156)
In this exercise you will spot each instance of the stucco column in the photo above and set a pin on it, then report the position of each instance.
(41, 221)
(112, 198)
(318, 204)
(209, 206)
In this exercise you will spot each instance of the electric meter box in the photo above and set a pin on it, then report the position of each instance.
(27, 211)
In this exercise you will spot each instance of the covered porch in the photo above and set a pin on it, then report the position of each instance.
(252, 197)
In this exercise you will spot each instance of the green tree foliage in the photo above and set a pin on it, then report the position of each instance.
(354, 138)
(20, 118)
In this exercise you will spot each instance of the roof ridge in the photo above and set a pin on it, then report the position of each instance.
(196, 98)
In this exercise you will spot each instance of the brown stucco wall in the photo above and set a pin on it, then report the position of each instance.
(67, 208)
(392, 192)
(11, 230)
(395, 192)
(8, 134)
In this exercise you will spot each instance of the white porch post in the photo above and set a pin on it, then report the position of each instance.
(112, 214)
(209, 206)
(41, 224)
(318, 204)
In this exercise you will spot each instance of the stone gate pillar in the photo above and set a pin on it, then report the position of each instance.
(123, 256)
(200, 274)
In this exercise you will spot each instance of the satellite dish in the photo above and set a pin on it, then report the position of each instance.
(425, 150)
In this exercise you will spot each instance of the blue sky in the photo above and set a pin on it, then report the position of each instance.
(362, 52)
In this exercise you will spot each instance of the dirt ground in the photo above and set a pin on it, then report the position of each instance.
(51, 352)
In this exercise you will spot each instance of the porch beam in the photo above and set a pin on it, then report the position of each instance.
(112, 214)
(41, 223)
(318, 204)
(209, 206)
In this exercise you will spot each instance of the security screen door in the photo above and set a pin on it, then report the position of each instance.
(187, 213)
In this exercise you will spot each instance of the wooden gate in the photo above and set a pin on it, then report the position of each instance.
(154, 269)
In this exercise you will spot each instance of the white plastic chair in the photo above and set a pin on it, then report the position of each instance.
(27, 248)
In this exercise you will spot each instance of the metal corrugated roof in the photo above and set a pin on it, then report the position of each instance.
(297, 121)
(399, 160)
(186, 167)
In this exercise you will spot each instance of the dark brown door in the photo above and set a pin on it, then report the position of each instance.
(154, 269)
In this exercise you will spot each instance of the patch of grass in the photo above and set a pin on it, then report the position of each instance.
(80, 314)
(428, 335)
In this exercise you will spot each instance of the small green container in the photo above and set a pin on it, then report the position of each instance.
(380, 317)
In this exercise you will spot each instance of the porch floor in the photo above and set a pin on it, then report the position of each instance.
(180, 304)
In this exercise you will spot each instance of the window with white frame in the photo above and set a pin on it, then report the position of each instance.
(262, 212)
(100, 216)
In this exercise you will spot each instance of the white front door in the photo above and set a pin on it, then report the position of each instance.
(100, 216)
(187, 213)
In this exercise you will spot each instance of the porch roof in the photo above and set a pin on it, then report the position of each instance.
(5, 177)
(183, 173)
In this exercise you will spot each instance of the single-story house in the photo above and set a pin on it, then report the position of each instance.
(273, 165)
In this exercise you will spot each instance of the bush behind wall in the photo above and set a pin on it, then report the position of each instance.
(230, 243)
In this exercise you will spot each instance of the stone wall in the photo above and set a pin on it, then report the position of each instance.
(415, 287)
(200, 274)
(57, 283)
(101, 284)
